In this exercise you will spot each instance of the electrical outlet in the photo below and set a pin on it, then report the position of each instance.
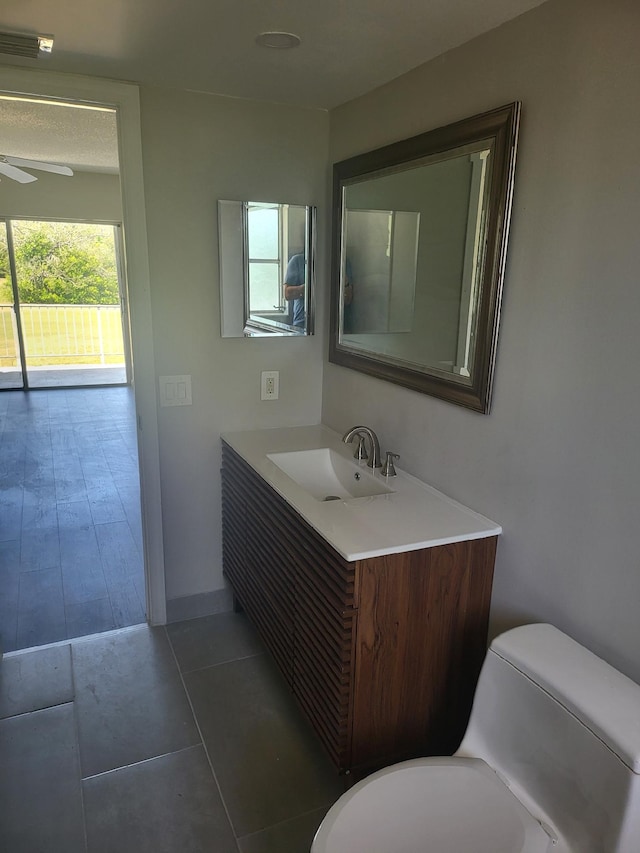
(269, 384)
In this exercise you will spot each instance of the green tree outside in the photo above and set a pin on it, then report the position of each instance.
(63, 263)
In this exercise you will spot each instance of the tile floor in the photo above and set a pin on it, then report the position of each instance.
(182, 738)
(70, 531)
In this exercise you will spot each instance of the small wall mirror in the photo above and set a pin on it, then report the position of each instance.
(419, 243)
(266, 268)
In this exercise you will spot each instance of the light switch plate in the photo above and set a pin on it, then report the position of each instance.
(175, 390)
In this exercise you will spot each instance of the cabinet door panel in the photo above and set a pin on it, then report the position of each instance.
(422, 629)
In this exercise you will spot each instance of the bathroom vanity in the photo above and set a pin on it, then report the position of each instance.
(375, 607)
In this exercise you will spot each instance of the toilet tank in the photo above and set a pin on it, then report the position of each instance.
(562, 728)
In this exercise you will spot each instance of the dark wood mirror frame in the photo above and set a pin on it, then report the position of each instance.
(500, 127)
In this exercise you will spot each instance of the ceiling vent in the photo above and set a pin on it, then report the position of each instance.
(29, 46)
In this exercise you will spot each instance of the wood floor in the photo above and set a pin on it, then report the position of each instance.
(70, 530)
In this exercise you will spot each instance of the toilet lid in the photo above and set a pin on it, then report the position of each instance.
(432, 805)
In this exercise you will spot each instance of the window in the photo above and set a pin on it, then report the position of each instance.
(265, 250)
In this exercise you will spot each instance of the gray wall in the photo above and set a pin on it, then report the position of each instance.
(556, 462)
(198, 149)
(86, 195)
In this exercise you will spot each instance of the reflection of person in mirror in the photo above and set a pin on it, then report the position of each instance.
(294, 290)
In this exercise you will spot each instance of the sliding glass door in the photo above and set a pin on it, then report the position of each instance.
(67, 305)
(11, 367)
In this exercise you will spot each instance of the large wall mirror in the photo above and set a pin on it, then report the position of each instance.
(419, 244)
(266, 268)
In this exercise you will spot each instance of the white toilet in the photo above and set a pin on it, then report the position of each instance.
(550, 762)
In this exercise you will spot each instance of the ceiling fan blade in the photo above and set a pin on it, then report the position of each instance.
(16, 174)
(38, 164)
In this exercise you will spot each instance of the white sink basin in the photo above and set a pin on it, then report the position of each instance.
(326, 475)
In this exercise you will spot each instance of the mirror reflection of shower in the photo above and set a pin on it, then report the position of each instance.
(412, 245)
(382, 245)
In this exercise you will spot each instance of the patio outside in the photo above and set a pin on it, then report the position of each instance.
(69, 316)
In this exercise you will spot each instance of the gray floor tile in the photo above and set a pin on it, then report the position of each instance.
(104, 500)
(70, 484)
(63, 444)
(92, 460)
(39, 511)
(127, 603)
(130, 702)
(41, 608)
(164, 805)
(30, 681)
(74, 515)
(9, 555)
(9, 592)
(268, 763)
(139, 581)
(89, 617)
(10, 513)
(39, 548)
(213, 639)
(118, 550)
(40, 789)
(38, 491)
(130, 498)
(292, 836)
(82, 574)
(118, 456)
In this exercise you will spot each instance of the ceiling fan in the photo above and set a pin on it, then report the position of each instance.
(11, 167)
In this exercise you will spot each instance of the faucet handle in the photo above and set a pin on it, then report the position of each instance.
(360, 452)
(388, 468)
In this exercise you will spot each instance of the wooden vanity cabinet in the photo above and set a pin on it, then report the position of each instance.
(382, 654)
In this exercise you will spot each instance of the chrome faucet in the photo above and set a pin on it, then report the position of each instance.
(388, 468)
(374, 460)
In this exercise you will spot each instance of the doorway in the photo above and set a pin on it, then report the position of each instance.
(121, 100)
(71, 554)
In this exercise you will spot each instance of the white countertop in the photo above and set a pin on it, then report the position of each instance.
(413, 516)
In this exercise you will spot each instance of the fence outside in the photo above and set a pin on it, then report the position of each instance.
(62, 334)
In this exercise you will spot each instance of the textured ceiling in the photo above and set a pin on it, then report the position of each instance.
(59, 133)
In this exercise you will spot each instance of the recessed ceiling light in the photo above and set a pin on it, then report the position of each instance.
(280, 41)
(17, 44)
